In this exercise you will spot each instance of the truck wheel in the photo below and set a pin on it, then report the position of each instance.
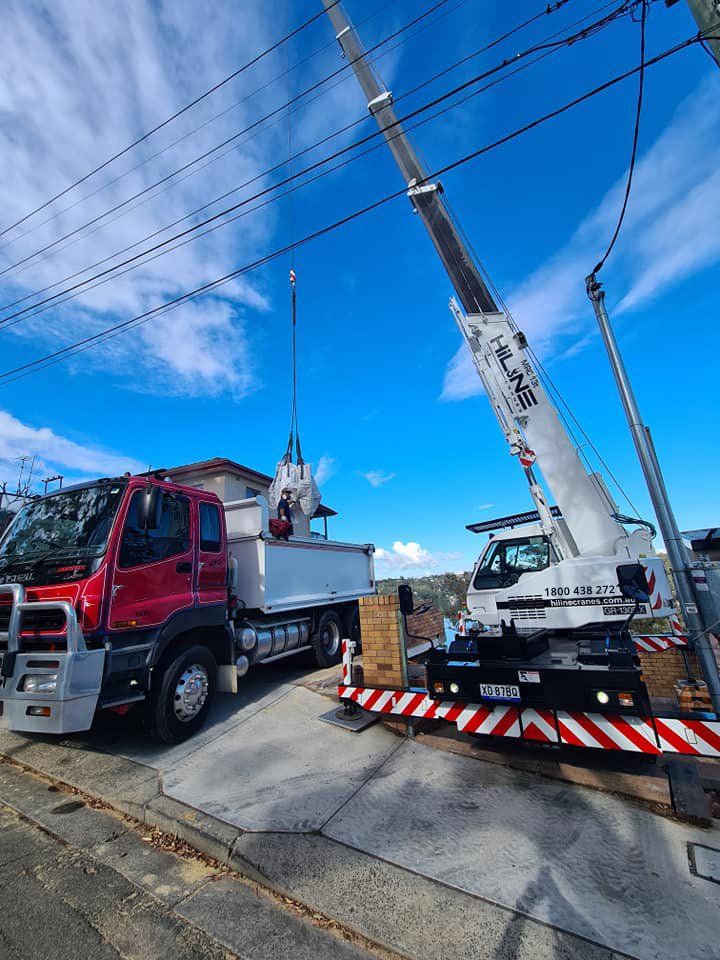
(181, 695)
(352, 627)
(326, 641)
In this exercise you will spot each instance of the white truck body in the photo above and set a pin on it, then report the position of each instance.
(277, 576)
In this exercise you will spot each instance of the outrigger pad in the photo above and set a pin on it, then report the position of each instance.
(355, 724)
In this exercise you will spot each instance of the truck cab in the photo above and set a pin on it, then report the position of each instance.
(131, 591)
(100, 584)
(521, 579)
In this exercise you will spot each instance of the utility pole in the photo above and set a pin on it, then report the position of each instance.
(707, 17)
(677, 554)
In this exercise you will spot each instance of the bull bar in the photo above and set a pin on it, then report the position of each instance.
(69, 706)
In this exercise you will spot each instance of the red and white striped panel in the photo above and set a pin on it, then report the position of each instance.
(500, 721)
(634, 734)
(655, 598)
(700, 738)
(401, 703)
(657, 643)
(346, 663)
(539, 725)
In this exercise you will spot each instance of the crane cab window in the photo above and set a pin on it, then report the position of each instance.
(505, 561)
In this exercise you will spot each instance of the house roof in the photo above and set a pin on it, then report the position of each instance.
(223, 464)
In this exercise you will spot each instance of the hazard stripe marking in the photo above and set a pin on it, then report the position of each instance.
(538, 725)
(696, 737)
(598, 731)
(595, 730)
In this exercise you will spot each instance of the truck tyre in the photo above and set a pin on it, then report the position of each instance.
(181, 695)
(352, 627)
(327, 640)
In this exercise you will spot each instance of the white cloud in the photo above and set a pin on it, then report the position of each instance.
(324, 469)
(376, 478)
(54, 454)
(670, 232)
(485, 506)
(79, 81)
(411, 557)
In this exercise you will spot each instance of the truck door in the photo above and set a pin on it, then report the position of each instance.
(153, 575)
(211, 577)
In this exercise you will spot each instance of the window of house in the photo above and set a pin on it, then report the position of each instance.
(251, 492)
(170, 539)
(210, 536)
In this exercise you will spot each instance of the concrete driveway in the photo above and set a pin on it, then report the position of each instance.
(593, 864)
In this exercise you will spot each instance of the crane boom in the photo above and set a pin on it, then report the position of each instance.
(526, 414)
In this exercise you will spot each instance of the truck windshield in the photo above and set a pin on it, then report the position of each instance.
(506, 560)
(73, 522)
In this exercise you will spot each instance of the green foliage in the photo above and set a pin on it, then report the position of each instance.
(446, 590)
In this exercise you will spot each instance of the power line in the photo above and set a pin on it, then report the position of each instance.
(544, 46)
(236, 73)
(24, 369)
(297, 186)
(223, 143)
(189, 133)
(636, 135)
(205, 206)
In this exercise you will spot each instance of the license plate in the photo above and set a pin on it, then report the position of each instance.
(499, 691)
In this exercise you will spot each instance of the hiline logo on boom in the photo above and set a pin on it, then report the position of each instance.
(522, 380)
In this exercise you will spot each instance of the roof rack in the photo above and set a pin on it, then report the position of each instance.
(507, 523)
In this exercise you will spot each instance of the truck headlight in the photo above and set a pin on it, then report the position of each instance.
(602, 697)
(454, 688)
(44, 683)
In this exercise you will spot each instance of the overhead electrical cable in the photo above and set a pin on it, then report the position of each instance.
(221, 83)
(254, 125)
(308, 169)
(189, 133)
(149, 196)
(264, 203)
(9, 376)
(362, 119)
(636, 135)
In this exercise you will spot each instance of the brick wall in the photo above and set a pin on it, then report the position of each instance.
(382, 641)
(661, 670)
(430, 624)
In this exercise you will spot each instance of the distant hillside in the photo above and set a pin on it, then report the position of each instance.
(446, 590)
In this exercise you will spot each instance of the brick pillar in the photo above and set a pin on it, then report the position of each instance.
(383, 642)
(662, 670)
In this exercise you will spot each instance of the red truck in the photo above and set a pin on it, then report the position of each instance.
(135, 590)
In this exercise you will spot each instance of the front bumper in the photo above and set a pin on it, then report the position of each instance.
(71, 706)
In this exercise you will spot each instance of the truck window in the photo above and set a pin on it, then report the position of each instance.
(507, 560)
(171, 538)
(210, 538)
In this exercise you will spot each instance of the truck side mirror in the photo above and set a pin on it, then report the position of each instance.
(407, 604)
(633, 582)
(149, 509)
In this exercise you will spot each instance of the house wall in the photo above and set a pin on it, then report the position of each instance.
(227, 486)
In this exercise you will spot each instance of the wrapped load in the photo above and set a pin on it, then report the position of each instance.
(303, 493)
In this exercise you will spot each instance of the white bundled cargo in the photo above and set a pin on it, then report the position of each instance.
(304, 492)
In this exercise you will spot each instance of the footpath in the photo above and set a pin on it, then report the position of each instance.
(422, 852)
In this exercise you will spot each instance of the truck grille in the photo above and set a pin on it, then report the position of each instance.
(527, 608)
(34, 623)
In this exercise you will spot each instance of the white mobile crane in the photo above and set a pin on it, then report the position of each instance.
(554, 568)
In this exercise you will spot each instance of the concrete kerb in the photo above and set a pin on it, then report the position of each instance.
(395, 908)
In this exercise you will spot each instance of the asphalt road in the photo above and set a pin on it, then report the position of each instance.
(80, 882)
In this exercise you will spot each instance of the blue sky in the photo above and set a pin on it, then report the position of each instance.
(408, 449)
